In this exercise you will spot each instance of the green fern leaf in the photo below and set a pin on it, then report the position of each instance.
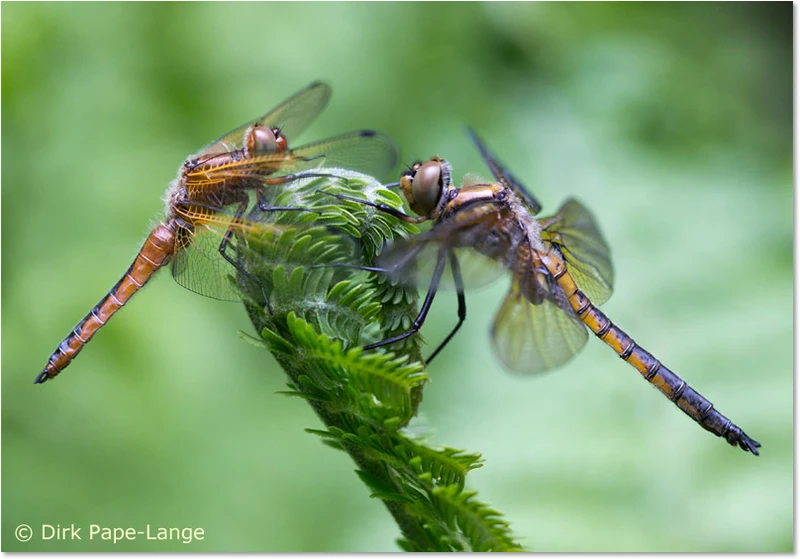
(320, 317)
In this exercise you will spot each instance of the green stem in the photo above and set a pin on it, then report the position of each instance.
(321, 315)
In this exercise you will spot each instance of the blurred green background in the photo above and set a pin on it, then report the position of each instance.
(673, 123)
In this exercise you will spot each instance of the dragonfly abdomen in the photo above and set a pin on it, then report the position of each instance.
(154, 254)
(671, 385)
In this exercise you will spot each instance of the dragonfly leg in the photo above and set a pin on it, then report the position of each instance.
(352, 267)
(382, 207)
(426, 305)
(388, 271)
(223, 251)
(264, 207)
(462, 305)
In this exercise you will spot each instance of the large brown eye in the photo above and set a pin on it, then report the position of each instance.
(427, 187)
(280, 142)
(260, 139)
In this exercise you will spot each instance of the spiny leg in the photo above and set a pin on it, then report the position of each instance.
(434, 285)
(285, 179)
(426, 305)
(264, 207)
(224, 245)
(397, 266)
(462, 304)
(382, 207)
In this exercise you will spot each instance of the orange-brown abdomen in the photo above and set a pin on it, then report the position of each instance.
(155, 253)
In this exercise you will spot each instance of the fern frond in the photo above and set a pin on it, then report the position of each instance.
(482, 526)
(447, 466)
(321, 316)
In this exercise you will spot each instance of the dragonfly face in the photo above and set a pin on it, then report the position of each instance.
(560, 271)
(207, 205)
(426, 186)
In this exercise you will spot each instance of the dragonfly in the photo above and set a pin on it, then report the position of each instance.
(560, 271)
(206, 205)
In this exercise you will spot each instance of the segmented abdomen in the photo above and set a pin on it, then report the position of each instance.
(154, 254)
(671, 385)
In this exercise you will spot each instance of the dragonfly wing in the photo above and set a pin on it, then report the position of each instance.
(531, 338)
(259, 169)
(503, 176)
(413, 260)
(364, 151)
(585, 251)
(198, 266)
(291, 117)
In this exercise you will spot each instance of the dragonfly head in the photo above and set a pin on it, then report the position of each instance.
(424, 186)
(260, 139)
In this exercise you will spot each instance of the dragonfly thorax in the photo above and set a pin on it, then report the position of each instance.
(208, 163)
(175, 194)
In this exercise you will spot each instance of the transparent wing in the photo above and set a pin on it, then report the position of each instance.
(364, 151)
(258, 168)
(502, 175)
(199, 267)
(585, 251)
(531, 338)
(291, 117)
(412, 260)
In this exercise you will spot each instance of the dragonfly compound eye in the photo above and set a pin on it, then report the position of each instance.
(426, 187)
(260, 139)
(280, 141)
